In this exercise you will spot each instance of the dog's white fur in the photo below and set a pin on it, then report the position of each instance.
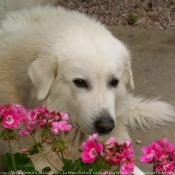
(44, 49)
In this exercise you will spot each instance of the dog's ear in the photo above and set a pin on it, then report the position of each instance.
(128, 77)
(42, 73)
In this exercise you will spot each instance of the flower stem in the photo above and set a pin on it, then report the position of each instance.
(62, 157)
(48, 135)
(11, 153)
(102, 160)
(33, 137)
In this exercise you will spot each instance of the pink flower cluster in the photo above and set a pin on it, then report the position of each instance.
(120, 154)
(11, 115)
(42, 117)
(162, 154)
(112, 152)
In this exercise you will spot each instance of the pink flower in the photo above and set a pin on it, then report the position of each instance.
(157, 150)
(166, 144)
(66, 152)
(23, 113)
(90, 151)
(38, 114)
(10, 121)
(60, 126)
(38, 117)
(12, 115)
(91, 148)
(47, 141)
(110, 143)
(64, 116)
(165, 167)
(120, 154)
(55, 129)
(152, 151)
(127, 167)
(93, 137)
(168, 147)
(161, 154)
(42, 116)
(127, 150)
(29, 129)
(24, 132)
(24, 150)
(55, 117)
(148, 155)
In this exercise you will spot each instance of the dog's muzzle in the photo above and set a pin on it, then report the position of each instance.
(104, 125)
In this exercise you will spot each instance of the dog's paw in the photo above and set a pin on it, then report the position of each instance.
(137, 171)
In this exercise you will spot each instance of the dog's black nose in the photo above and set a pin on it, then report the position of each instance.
(104, 125)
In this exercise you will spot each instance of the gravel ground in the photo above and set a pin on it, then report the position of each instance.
(141, 13)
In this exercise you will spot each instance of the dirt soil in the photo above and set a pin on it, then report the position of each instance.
(141, 13)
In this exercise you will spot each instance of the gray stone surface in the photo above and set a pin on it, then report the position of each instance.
(153, 64)
(2, 9)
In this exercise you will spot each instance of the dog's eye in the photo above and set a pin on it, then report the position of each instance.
(80, 83)
(114, 82)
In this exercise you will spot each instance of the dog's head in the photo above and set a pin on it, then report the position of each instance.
(87, 75)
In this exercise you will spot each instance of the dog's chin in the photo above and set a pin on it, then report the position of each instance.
(90, 132)
(100, 134)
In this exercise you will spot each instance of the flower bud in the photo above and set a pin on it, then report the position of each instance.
(24, 150)
(47, 141)
(66, 152)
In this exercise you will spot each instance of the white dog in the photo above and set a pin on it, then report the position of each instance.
(67, 61)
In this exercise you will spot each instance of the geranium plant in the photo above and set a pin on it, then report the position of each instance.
(161, 154)
(96, 157)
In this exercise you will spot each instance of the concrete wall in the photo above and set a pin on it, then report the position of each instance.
(10, 5)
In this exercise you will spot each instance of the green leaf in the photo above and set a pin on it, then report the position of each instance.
(46, 170)
(22, 161)
(132, 18)
(6, 160)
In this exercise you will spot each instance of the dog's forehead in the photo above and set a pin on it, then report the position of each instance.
(93, 49)
(83, 52)
(97, 64)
